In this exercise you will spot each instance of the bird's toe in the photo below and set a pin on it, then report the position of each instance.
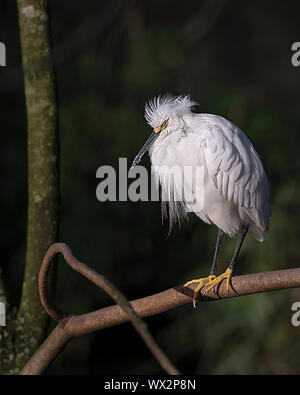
(202, 283)
(217, 280)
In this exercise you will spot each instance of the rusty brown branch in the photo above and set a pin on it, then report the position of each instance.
(109, 288)
(75, 325)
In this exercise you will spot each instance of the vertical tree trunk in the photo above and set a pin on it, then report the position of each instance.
(43, 188)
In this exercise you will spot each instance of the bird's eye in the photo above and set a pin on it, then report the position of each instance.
(162, 126)
(165, 124)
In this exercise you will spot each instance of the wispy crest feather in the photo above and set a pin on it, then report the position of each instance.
(161, 108)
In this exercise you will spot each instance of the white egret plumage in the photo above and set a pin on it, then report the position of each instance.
(235, 187)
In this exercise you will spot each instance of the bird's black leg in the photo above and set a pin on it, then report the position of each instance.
(238, 247)
(217, 250)
(228, 272)
(205, 281)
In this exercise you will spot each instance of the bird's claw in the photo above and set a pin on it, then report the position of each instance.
(227, 274)
(209, 283)
(203, 283)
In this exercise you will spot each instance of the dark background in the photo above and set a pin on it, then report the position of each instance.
(234, 59)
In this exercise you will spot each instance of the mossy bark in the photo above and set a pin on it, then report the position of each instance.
(29, 324)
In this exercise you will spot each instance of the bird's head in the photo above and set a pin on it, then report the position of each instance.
(165, 115)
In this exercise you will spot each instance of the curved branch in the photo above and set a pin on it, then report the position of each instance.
(109, 288)
(76, 325)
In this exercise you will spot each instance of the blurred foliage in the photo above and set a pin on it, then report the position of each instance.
(234, 58)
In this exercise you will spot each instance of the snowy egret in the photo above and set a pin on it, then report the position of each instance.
(235, 186)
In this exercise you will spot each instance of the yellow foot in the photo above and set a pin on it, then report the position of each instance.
(205, 281)
(227, 274)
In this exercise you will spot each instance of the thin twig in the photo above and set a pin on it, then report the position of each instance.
(76, 325)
